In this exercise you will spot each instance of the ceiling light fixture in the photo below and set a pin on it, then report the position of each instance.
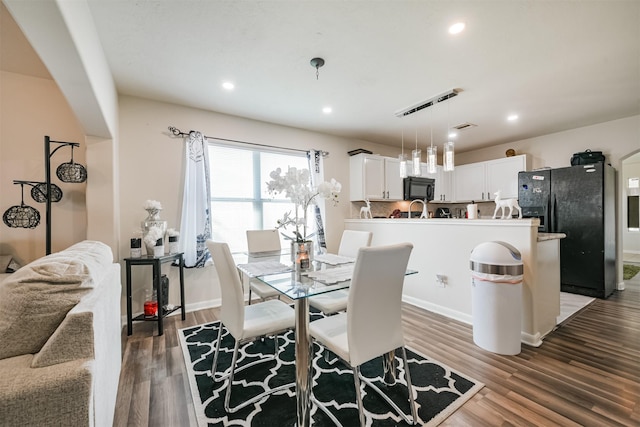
(327, 110)
(456, 28)
(512, 117)
(317, 63)
(427, 103)
(228, 85)
(448, 154)
(415, 155)
(403, 160)
(432, 152)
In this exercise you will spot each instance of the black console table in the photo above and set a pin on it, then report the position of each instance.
(156, 262)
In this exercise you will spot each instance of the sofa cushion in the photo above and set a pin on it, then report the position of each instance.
(31, 312)
(58, 395)
(82, 264)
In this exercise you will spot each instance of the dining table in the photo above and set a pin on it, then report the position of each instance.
(326, 273)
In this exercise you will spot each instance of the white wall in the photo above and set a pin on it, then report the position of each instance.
(151, 167)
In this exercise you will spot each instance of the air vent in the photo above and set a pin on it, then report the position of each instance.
(427, 103)
(463, 126)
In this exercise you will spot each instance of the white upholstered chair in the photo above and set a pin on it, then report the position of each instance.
(372, 324)
(244, 323)
(350, 243)
(263, 241)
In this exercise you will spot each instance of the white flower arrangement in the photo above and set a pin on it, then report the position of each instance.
(172, 232)
(295, 185)
(152, 204)
(152, 236)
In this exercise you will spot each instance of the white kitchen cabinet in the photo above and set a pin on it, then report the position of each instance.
(375, 177)
(443, 191)
(502, 174)
(479, 181)
(469, 182)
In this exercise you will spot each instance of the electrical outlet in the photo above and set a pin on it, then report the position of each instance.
(441, 280)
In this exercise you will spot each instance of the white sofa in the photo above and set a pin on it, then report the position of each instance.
(60, 335)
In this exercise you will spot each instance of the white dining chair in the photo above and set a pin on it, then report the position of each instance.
(261, 241)
(350, 243)
(372, 324)
(244, 323)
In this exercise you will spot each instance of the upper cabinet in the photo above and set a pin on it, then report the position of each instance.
(375, 177)
(480, 181)
(443, 191)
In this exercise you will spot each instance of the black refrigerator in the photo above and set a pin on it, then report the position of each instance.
(580, 202)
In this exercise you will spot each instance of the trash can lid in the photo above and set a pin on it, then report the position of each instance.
(496, 258)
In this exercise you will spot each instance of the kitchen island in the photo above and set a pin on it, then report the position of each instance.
(441, 247)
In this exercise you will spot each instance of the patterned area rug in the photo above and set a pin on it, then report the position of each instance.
(440, 390)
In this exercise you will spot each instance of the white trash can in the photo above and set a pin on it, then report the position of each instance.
(496, 277)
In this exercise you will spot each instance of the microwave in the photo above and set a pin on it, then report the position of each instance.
(419, 188)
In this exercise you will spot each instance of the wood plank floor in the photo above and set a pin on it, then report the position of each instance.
(587, 372)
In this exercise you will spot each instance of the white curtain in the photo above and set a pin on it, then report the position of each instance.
(195, 224)
(316, 167)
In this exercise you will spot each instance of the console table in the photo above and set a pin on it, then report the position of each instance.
(156, 262)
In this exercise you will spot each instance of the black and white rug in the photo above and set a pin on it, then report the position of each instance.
(440, 390)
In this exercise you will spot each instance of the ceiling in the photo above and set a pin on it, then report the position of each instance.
(558, 65)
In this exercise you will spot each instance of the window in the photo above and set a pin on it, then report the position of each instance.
(239, 197)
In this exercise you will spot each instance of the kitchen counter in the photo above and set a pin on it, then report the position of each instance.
(542, 237)
(442, 246)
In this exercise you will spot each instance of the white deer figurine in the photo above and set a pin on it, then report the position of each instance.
(366, 210)
(506, 203)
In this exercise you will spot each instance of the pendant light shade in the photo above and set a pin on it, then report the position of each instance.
(415, 155)
(432, 159)
(447, 157)
(403, 165)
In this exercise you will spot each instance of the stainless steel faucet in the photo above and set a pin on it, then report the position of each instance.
(424, 208)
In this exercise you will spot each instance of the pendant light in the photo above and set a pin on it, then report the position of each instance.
(403, 160)
(448, 154)
(415, 155)
(432, 153)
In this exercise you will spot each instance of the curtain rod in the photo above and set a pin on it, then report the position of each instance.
(177, 132)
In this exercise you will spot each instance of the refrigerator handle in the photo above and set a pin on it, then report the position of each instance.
(552, 216)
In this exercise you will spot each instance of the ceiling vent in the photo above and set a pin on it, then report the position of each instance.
(428, 103)
(463, 126)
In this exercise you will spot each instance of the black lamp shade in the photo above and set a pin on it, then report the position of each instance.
(71, 172)
(39, 193)
(21, 216)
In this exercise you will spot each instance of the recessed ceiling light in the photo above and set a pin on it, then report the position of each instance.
(512, 117)
(228, 85)
(456, 28)
(452, 134)
(327, 110)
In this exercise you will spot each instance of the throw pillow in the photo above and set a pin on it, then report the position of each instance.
(31, 312)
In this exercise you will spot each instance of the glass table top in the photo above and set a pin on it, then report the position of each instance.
(277, 270)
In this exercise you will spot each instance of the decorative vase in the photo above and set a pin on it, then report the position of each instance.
(302, 254)
(152, 220)
(173, 244)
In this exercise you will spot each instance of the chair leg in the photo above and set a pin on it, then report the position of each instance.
(215, 354)
(233, 367)
(356, 381)
(412, 401)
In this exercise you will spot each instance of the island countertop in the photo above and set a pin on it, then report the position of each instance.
(442, 248)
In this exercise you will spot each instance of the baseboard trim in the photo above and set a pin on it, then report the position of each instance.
(532, 340)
